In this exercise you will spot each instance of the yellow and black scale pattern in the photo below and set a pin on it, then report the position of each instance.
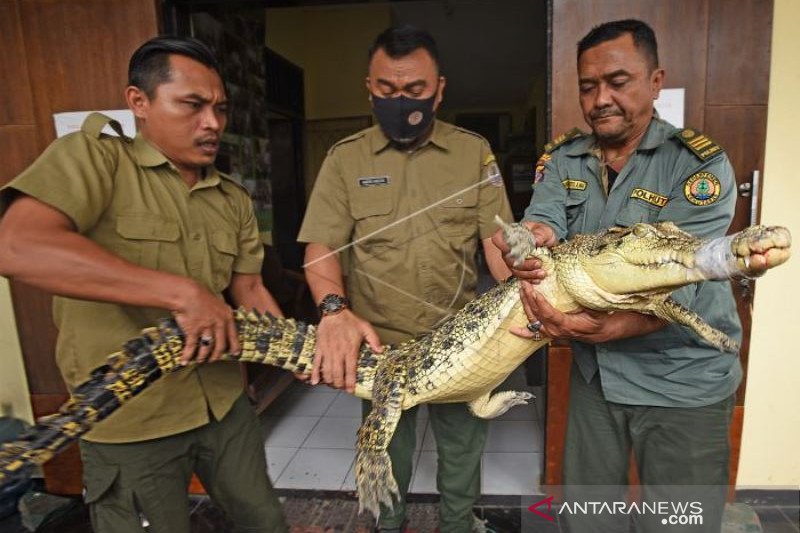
(264, 339)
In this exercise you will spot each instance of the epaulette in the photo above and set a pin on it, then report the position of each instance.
(698, 143)
(233, 181)
(563, 138)
(348, 139)
(471, 133)
(94, 123)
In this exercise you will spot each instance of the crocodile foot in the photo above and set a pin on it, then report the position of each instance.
(759, 248)
(494, 405)
(519, 239)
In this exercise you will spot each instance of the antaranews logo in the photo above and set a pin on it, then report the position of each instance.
(671, 512)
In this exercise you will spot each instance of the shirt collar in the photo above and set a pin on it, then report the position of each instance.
(438, 138)
(148, 155)
(657, 133)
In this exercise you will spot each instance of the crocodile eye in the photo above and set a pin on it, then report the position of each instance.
(641, 230)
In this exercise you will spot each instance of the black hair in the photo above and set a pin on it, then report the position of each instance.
(643, 38)
(399, 41)
(149, 66)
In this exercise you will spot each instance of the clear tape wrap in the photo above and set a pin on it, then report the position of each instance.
(715, 260)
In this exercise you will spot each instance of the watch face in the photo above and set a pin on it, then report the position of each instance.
(332, 303)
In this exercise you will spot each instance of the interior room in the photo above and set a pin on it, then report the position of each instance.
(294, 73)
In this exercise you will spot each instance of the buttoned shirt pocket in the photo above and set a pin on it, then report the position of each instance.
(371, 208)
(148, 239)
(224, 252)
(636, 212)
(459, 214)
(575, 208)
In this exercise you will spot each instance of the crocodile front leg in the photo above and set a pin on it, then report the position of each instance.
(493, 405)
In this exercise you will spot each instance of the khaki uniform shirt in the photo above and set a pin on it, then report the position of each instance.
(126, 196)
(412, 221)
(675, 175)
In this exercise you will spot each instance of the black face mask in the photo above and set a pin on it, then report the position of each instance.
(403, 119)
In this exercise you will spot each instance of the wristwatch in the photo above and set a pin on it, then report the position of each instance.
(332, 304)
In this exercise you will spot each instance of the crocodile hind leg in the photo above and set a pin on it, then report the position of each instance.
(493, 405)
(674, 312)
(374, 478)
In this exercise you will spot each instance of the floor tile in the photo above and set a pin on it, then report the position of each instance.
(277, 459)
(423, 426)
(774, 521)
(344, 406)
(316, 469)
(511, 473)
(337, 433)
(424, 480)
(514, 436)
(301, 403)
(429, 441)
(287, 431)
(349, 483)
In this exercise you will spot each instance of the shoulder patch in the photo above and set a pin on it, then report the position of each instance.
(492, 172)
(563, 138)
(538, 174)
(702, 188)
(700, 145)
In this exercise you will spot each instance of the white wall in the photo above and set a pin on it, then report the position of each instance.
(770, 453)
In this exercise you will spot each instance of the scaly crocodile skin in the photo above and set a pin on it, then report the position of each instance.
(462, 360)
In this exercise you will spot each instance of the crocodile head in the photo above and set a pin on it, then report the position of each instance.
(661, 257)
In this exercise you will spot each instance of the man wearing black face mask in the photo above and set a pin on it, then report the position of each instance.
(409, 199)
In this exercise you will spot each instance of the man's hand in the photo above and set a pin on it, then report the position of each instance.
(207, 322)
(339, 338)
(530, 269)
(585, 325)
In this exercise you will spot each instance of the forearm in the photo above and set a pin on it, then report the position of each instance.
(622, 325)
(494, 260)
(66, 263)
(323, 271)
(248, 291)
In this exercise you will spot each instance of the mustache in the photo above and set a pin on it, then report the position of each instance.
(603, 113)
(208, 139)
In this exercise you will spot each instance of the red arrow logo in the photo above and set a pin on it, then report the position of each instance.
(548, 501)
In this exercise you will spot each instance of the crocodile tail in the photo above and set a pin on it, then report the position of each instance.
(282, 342)
(375, 482)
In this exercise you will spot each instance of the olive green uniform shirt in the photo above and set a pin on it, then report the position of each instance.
(413, 221)
(675, 175)
(127, 197)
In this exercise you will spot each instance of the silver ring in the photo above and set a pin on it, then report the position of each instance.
(206, 340)
(536, 336)
(534, 327)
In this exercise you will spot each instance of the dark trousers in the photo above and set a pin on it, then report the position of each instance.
(128, 485)
(460, 437)
(682, 455)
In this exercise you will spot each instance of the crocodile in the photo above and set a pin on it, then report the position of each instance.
(463, 359)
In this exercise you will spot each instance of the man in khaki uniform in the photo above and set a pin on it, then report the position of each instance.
(125, 232)
(409, 200)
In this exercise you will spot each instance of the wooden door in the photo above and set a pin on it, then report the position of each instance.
(59, 56)
(719, 51)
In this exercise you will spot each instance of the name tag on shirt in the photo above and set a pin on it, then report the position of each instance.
(373, 181)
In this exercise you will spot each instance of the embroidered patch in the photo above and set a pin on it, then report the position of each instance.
(699, 144)
(493, 175)
(650, 197)
(539, 170)
(373, 181)
(574, 184)
(702, 188)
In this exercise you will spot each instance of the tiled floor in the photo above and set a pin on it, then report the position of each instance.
(310, 437)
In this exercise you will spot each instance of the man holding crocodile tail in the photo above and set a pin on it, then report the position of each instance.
(637, 383)
(408, 200)
(125, 232)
